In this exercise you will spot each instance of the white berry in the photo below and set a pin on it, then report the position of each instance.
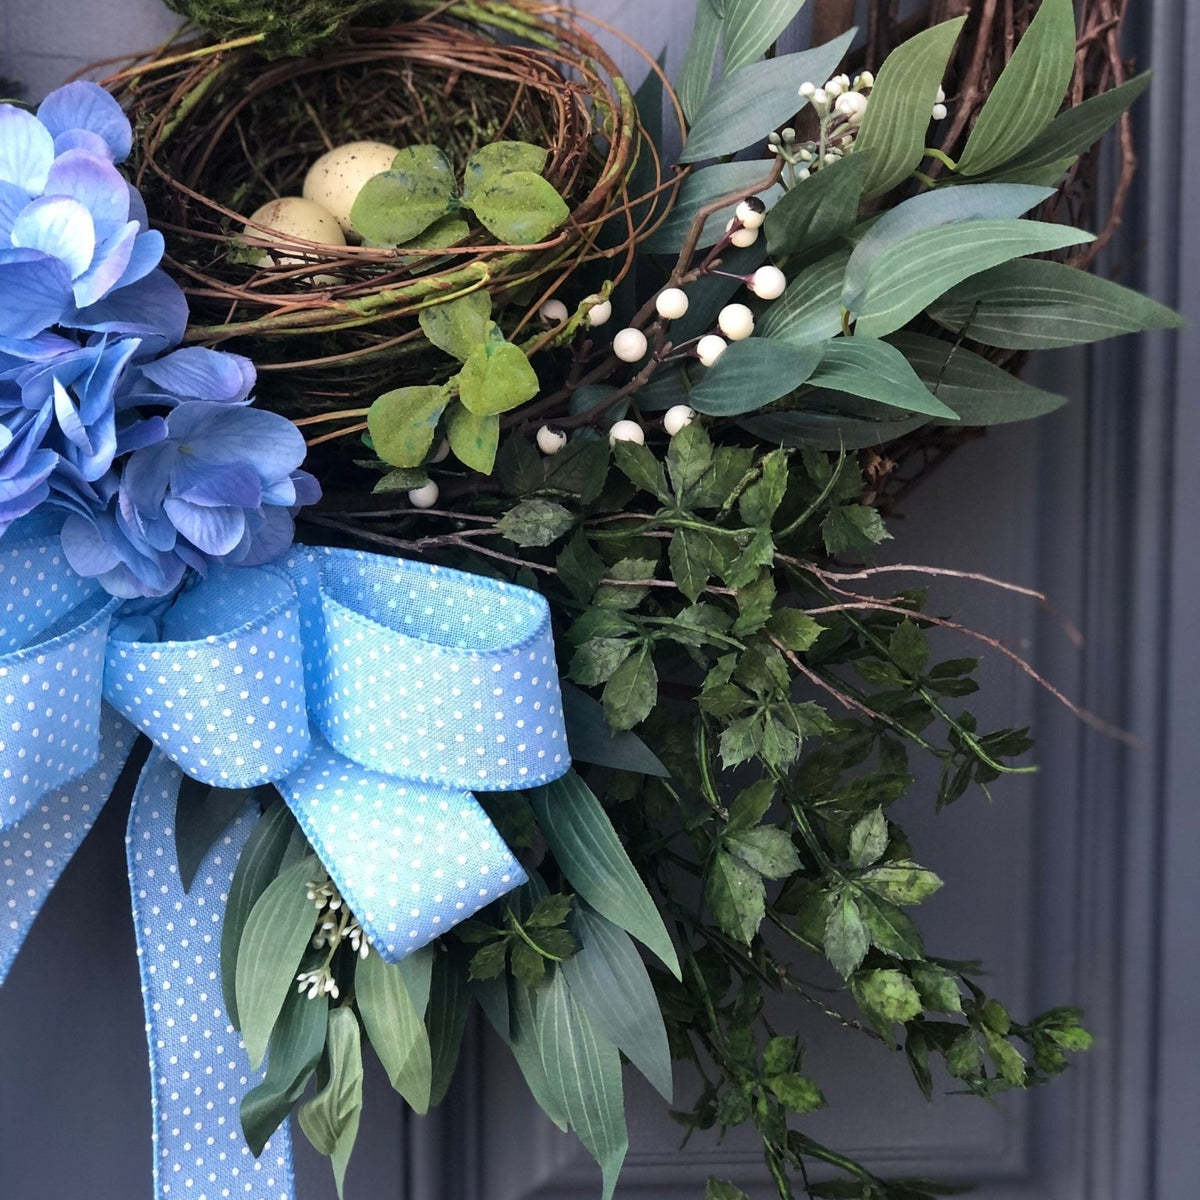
(677, 418)
(852, 106)
(424, 497)
(939, 112)
(671, 303)
(551, 439)
(710, 347)
(741, 238)
(553, 312)
(630, 345)
(600, 313)
(736, 322)
(752, 213)
(626, 431)
(768, 283)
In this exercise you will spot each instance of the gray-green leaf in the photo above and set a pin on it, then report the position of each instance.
(751, 27)
(846, 940)
(330, 1119)
(395, 1028)
(752, 374)
(737, 896)
(822, 208)
(865, 366)
(810, 310)
(592, 740)
(695, 76)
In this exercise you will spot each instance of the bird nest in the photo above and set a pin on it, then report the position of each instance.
(220, 130)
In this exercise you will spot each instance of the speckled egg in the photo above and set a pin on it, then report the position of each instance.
(297, 218)
(337, 177)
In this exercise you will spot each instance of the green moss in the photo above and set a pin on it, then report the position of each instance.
(289, 27)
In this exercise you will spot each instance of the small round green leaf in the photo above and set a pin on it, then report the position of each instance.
(402, 423)
(496, 378)
(395, 206)
(518, 207)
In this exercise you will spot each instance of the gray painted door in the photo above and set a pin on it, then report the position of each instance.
(1075, 885)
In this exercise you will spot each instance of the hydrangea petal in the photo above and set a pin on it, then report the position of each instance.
(137, 208)
(197, 373)
(216, 531)
(108, 267)
(36, 290)
(13, 199)
(146, 254)
(60, 227)
(86, 105)
(272, 537)
(93, 181)
(154, 309)
(86, 549)
(216, 485)
(141, 432)
(26, 149)
(216, 433)
(81, 139)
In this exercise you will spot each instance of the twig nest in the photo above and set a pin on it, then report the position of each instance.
(626, 431)
(294, 217)
(337, 177)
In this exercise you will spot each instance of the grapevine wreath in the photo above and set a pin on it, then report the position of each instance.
(463, 515)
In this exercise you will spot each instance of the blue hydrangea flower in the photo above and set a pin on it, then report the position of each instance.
(25, 465)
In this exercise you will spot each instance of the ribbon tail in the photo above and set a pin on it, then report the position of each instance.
(35, 850)
(199, 1069)
(411, 859)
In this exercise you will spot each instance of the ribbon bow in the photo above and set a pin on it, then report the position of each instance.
(375, 694)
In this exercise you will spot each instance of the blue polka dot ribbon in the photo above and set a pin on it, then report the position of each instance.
(375, 694)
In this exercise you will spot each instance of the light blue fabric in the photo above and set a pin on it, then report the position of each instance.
(375, 694)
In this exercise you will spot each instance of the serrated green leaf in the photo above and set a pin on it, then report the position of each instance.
(608, 979)
(580, 568)
(737, 896)
(810, 310)
(751, 806)
(846, 941)
(890, 929)
(583, 1070)
(632, 692)
(797, 1093)
(751, 27)
(868, 839)
(594, 662)
(1006, 1057)
(751, 374)
(886, 996)
(276, 935)
(398, 204)
(592, 741)
(458, 326)
(1034, 305)
(395, 1028)
(876, 370)
(689, 455)
(726, 124)
(402, 423)
(330, 1119)
(908, 648)
(821, 209)
(641, 467)
(594, 862)
(897, 117)
(535, 522)
(695, 76)
(767, 850)
(901, 882)
(518, 207)
(201, 814)
(796, 630)
(852, 528)
(937, 987)
(496, 378)
(690, 558)
(1030, 90)
(762, 498)
(912, 273)
(493, 160)
(488, 962)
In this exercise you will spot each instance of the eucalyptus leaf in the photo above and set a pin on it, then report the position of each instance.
(402, 423)
(273, 942)
(608, 979)
(912, 273)
(898, 114)
(518, 207)
(594, 862)
(818, 210)
(1037, 305)
(416, 969)
(493, 160)
(701, 188)
(695, 76)
(751, 374)
(473, 439)
(257, 865)
(446, 1019)
(1030, 90)
(592, 741)
(583, 1070)
(397, 205)
(868, 367)
(395, 1028)
(726, 123)
(827, 431)
(810, 310)
(496, 378)
(202, 813)
(460, 325)
(330, 1119)
(751, 27)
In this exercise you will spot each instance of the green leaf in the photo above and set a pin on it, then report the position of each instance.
(866, 366)
(761, 499)
(591, 740)
(292, 1055)
(796, 630)
(689, 455)
(912, 273)
(257, 866)
(441, 235)
(1030, 90)
(901, 882)
(276, 935)
(596, 660)
(718, 1189)
(535, 522)
(695, 76)
(797, 1093)
(446, 1019)
(853, 528)
(690, 558)
(496, 378)
(458, 326)
(810, 310)
(632, 692)
(891, 930)
(736, 895)
(496, 159)
(416, 969)
(580, 568)
(1036, 305)
(642, 468)
(402, 423)
(1007, 1058)
(726, 124)
(518, 207)
(821, 209)
(750, 806)
(201, 814)
(752, 374)
(474, 439)
(395, 1028)
(897, 117)
(846, 940)
(594, 862)
(886, 996)
(767, 850)
(402, 479)
(781, 1054)
(608, 979)
(700, 189)
(980, 392)
(396, 205)
(330, 1119)
(1077, 129)
(751, 27)
(868, 839)
(583, 1070)
(937, 987)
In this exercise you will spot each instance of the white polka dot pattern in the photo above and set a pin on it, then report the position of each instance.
(199, 1070)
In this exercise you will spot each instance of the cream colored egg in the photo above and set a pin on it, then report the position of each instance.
(337, 177)
(294, 217)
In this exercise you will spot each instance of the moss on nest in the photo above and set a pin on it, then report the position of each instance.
(289, 27)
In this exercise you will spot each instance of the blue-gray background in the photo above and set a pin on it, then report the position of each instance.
(1078, 886)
